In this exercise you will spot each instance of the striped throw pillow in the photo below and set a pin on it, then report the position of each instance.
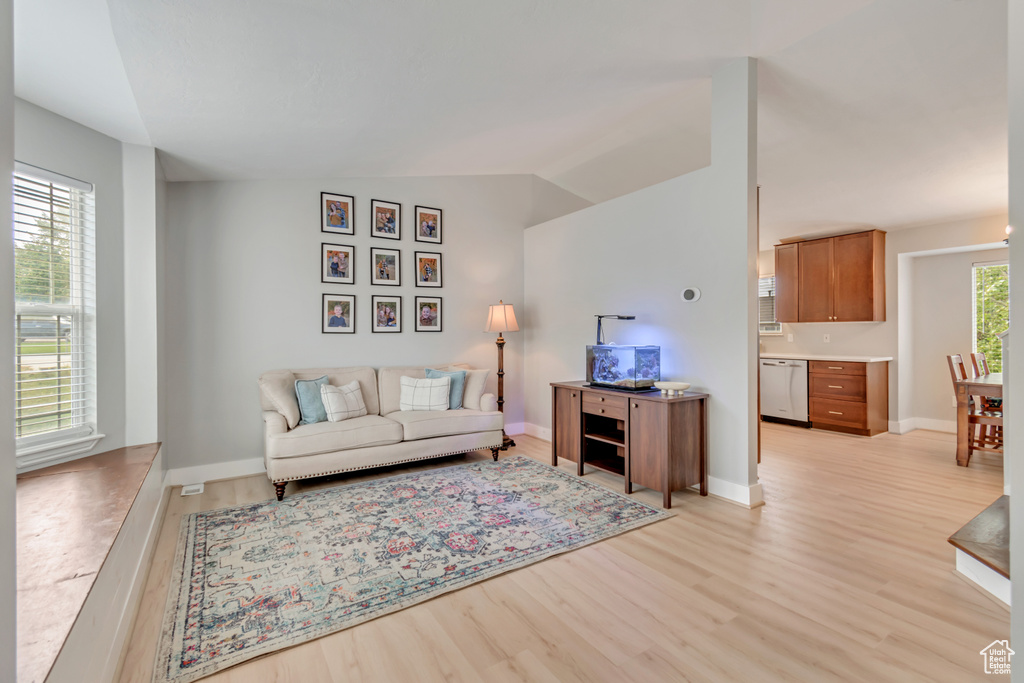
(424, 394)
(342, 403)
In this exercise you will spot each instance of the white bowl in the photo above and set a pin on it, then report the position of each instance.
(672, 388)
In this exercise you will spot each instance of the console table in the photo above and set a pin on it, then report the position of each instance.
(652, 440)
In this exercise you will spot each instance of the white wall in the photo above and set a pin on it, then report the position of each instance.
(8, 540)
(633, 255)
(1014, 447)
(942, 323)
(243, 293)
(892, 337)
(46, 140)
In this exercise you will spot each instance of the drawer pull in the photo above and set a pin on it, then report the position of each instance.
(636, 405)
(601, 410)
(835, 367)
(834, 386)
(832, 412)
(574, 395)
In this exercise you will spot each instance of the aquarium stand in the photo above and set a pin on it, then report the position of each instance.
(656, 441)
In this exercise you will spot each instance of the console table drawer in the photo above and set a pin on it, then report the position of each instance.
(612, 407)
(843, 387)
(831, 367)
(846, 413)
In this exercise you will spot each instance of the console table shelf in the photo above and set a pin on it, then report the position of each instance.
(652, 440)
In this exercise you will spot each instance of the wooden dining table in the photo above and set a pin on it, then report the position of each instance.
(988, 386)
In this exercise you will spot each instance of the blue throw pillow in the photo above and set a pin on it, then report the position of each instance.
(311, 406)
(458, 385)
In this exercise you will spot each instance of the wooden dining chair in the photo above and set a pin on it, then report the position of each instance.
(986, 426)
(980, 365)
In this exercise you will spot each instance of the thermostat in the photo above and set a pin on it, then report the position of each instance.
(690, 294)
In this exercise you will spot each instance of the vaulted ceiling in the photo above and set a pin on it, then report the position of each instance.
(884, 113)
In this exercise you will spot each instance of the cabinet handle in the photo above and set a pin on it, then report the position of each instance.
(835, 367)
(602, 410)
(602, 399)
(832, 412)
(834, 386)
(574, 395)
(636, 405)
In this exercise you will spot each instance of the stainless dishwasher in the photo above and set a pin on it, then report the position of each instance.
(784, 390)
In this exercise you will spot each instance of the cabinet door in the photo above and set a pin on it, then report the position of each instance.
(565, 424)
(816, 281)
(787, 283)
(856, 278)
(648, 443)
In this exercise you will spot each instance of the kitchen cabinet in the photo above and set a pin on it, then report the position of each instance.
(834, 279)
(849, 397)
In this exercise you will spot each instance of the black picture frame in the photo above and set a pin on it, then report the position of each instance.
(385, 219)
(327, 268)
(427, 220)
(428, 268)
(387, 273)
(438, 314)
(328, 302)
(396, 315)
(339, 202)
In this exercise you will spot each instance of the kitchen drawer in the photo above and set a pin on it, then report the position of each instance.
(831, 367)
(845, 413)
(842, 387)
(608, 406)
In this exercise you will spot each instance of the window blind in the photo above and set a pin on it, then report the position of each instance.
(55, 301)
(766, 305)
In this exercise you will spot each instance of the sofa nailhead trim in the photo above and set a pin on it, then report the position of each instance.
(385, 464)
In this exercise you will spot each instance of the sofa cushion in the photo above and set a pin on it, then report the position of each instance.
(277, 391)
(311, 406)
(425, 424)
(425, 394)
(325, 437)
(475, 381)
(458, 385)
(343, 403)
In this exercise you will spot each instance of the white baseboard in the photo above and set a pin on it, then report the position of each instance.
(985, 577)
(543, 433)
(514, 428)
(748, 496)
(912, 423)
(96, 642)
(214, 471)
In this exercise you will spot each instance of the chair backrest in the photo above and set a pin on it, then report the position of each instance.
(980, 364)
(956, 368)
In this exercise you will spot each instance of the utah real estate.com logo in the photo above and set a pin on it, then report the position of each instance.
(997, 657)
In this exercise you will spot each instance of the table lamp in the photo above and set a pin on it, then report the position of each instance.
(502, 318)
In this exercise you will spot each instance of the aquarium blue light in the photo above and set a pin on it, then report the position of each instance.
(623, 367)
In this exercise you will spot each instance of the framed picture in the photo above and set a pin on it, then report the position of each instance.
(337, 213)
(428, 224)
(386, 219)
(387, 267)
(428, 269)
(338, 314)
(428, 314)
(337, 264)
(387, 313)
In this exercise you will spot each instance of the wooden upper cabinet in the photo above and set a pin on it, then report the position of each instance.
(835, 279)
(787, 274)
(815, 281)
(859, 277)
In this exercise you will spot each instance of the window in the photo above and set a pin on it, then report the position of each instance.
(766, 306)
(54, 324)
(991, 311)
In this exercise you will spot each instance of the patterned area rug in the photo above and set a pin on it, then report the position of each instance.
(257, 578)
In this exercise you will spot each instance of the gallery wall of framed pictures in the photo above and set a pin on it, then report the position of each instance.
(338, 264)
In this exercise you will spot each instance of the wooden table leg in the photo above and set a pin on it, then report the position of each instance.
(704, 447)
(963, 428)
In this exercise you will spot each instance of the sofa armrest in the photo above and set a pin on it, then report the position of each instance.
(488, 403)
(274, 423)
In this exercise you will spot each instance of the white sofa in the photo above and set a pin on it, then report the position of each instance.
(384, 436)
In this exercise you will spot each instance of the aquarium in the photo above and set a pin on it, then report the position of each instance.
(624, 367)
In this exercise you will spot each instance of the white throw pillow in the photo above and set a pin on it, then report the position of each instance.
(475, 382)
(424, 394)
(342, 403)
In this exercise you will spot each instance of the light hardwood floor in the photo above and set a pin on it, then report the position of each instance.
(845, 575)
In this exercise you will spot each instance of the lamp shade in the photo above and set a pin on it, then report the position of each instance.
(501, 318)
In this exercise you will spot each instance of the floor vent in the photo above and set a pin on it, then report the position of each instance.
(191, 489)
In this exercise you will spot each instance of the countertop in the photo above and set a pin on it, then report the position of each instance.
(835, 359)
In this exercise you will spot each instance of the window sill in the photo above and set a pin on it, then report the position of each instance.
(38, 455)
